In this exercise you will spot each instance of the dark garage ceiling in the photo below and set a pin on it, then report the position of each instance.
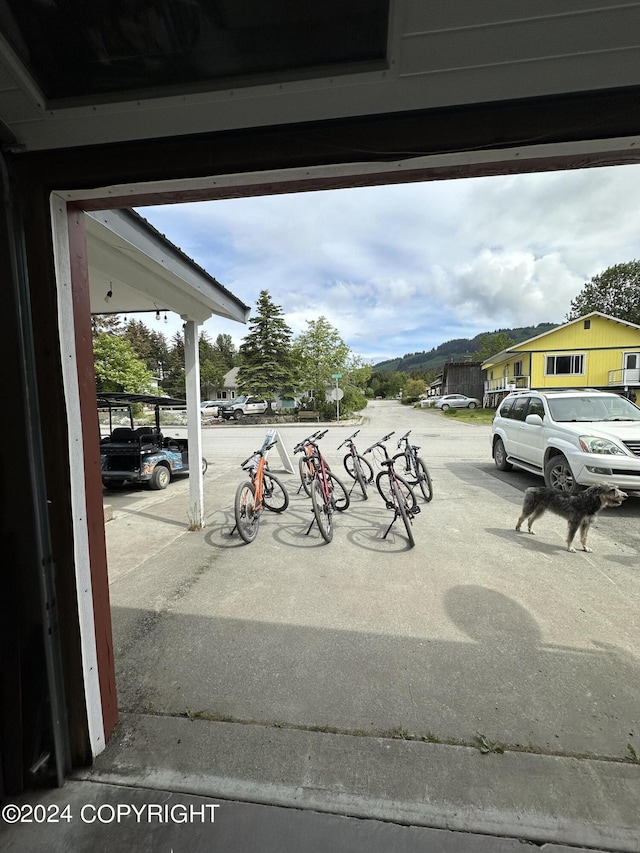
(89, 50)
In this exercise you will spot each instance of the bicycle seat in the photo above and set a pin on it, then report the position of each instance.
(386, 461)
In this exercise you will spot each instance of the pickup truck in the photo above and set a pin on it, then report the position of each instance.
(243, 405)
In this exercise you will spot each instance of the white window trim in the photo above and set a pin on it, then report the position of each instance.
(581, 355)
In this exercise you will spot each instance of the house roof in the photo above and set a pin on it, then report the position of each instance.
(133, 267)
(505, 354)
(231, 378)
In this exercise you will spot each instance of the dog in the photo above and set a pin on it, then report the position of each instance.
(579, 509)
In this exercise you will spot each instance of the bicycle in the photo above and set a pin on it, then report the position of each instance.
(306, 468)
(356, 466)
(323, 487)
(415, 467)
(263, 491)
(395, 491)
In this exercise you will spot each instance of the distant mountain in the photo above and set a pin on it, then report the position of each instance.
(456, 350)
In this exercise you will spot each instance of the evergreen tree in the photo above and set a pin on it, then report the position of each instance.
(227, 351)
(212, 367)
(266, 367)
(105, 323)
(173, 382)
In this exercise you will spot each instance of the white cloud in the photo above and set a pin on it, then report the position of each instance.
(513, 286)
(403, 268)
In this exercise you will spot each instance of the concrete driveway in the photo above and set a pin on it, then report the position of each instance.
(485, 680)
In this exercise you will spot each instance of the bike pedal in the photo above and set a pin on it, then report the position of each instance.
(415, 510)
(390, 505)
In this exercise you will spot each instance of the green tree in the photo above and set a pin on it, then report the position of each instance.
(490, 344)
(173, 381)
(105, 323)
(357, 372)
(212, 367)
(616, 292)
(412, 390)
(388, 385)
(320, 352)
(266, 367)
(117, 366)
(225, 347)
(150, 346)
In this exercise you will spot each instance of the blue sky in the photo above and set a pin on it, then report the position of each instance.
(404, 268)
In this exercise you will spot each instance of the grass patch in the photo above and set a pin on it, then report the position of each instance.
(470, 416)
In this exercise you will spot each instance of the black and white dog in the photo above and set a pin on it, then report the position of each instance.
(579, 509)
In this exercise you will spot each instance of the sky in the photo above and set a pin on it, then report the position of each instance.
(404, 268)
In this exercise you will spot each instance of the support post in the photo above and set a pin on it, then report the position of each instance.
(194, 426)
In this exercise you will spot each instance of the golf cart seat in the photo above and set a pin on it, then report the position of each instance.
(123, 434)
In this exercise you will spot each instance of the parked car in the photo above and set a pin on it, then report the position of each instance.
(211, 408)
(142, 455)
(456, 401)
(571, 438)
(243, 405)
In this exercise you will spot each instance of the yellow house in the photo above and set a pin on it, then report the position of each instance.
(595, 351)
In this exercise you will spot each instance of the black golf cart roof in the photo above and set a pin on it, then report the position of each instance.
(112, 399)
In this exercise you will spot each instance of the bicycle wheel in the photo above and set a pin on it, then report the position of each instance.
(406, 462)
(384, 483)
(401, 509)
(305, 470)
(424, 480)
(322, 510)
(274, 494)
(365, 468)
(339, 494)
(247, 519)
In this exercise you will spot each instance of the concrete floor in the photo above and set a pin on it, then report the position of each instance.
(484, 683)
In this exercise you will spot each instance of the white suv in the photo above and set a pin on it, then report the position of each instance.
(571, 438)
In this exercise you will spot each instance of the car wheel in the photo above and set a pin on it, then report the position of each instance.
(160, 477)
(445, 407)
(238, 415)
(558, 476)
(500, 456)
(472, 405)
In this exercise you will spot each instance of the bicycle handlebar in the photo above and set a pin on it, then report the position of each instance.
(404, 437)
(260, 452)
(312, 439)
(379, 444)
(347, 440)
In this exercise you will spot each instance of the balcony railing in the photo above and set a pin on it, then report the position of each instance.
(628, 376)
(504, 383)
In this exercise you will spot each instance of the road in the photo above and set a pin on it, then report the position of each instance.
(469, 566)
(443, 442)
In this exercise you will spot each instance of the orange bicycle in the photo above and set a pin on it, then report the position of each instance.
(263, 490)
(306, 465)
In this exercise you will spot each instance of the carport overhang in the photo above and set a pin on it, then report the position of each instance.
(498, 359)
(133, 268)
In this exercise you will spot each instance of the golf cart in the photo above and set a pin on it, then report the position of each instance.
(142, 455)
